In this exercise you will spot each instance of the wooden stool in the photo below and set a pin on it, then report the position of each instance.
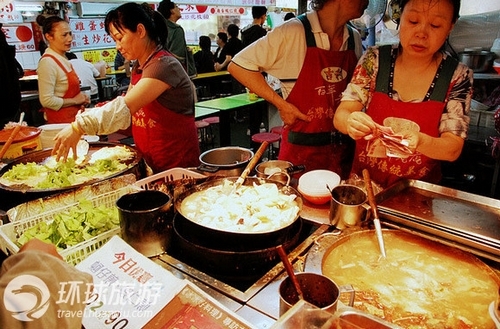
(212, 121)
(270, 138)
(203, 127)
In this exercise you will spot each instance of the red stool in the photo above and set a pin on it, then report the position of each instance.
(203, 127)
(212, 121)
(277, 130)
(268, 137)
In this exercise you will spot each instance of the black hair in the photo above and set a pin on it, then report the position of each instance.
(165, 8)
(454, 3)
(318, 4)
(289, 16)
(48, 22)
(233, 30)
(222, 36)
(205, 42)
(258, 11)
(130, 15)
(70, 55)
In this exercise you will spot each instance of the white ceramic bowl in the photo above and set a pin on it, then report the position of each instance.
(313, 185)
(48, 133)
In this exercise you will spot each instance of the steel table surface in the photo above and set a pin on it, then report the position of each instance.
(226, 105)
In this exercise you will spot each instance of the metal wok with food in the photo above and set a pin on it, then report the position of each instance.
(259, 214)
(422, 283)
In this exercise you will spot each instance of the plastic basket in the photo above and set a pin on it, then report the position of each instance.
(10, 232)
(167, 176)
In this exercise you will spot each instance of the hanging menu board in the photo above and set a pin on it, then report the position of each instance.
(89, 33)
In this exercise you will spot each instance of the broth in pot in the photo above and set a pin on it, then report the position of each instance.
(421, 283)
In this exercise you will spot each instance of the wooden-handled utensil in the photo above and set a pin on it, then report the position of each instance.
(250, 165)
(373, 206)
(13, 135)
(289, 270)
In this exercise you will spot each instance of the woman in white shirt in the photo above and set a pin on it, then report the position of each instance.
(58, 84)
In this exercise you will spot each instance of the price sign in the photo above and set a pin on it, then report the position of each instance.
(20, 36)
(129, 288)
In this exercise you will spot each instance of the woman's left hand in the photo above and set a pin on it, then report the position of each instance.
(66, 140)
(413, 138)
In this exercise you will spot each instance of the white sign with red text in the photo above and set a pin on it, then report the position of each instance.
(129, 288)
(20, 36)
(90, 33)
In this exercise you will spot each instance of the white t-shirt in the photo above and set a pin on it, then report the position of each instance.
(52, 80)
(87, 73)
(282, 51)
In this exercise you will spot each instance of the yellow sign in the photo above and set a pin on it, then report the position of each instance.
(94, 56)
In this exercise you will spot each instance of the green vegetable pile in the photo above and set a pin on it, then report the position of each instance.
(64, 174)
(77, 224)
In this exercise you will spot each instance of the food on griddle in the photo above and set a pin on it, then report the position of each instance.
(52, 174)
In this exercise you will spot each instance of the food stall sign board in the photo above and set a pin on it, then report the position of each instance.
(89, 33)
(20, 36)
(238, 3)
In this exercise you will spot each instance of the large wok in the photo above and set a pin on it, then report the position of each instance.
(424, 276)
(233, 267)
(133, 166)
(232, 241)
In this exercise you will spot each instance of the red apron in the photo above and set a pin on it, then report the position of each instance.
(166, 139)
(65, 114)
(386, 171)
(317, 91)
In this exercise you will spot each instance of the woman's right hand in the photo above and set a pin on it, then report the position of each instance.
(66, 140)
(82, 99)
(360, 125)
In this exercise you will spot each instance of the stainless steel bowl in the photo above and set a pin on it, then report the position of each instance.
(477, 61)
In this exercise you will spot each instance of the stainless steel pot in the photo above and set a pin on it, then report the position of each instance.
(477, 61)
(225, 161)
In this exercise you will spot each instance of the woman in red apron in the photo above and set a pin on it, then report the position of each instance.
(414, 81)
(58, 83)
(159, 103)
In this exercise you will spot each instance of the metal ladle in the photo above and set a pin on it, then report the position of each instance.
(373, 206)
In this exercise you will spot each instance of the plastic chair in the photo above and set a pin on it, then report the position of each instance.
(270, 138)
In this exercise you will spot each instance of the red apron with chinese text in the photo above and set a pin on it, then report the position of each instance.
(65, 114)
(317, 91)
(387, 171)
(166, 139)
